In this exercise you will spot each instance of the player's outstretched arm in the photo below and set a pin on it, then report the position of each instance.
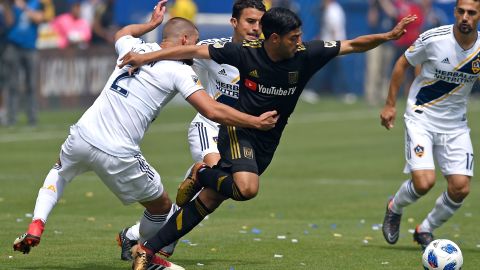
(137, 30)
(227, 115)
(389, 111)
(368, 42)
(136, 60)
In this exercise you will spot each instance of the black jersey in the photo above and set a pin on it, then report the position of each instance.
(266, 85)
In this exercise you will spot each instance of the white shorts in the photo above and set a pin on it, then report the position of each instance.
(131, 179)
(202, 138)
(453, 152)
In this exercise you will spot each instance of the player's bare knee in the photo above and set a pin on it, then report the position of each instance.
(159, 206)
(458, 193)
(423, 181)
(458, 187)
(248, 191)
(422, 187)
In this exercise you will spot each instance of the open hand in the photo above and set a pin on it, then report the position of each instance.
(159, 12)
(399, 30)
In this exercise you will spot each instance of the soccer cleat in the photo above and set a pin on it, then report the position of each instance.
(391, 224)
(168, 250)
(141, 258)
(31, 238)
(422, 238)
(161, 264)
(190, 186)
(125, 245)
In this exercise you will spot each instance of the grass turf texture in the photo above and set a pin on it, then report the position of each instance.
(326, 188)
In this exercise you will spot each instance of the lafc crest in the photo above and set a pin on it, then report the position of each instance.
(248, 152)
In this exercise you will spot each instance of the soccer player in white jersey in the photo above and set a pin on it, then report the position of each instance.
(106, 138)
(435, 119)
(221, 83)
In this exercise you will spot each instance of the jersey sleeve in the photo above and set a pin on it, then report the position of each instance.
(319, 52)
(201, 68)
(416, 54)
(185, 81)
(126, 44)
(226, 53)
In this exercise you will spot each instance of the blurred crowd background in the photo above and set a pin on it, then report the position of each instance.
(59, 53)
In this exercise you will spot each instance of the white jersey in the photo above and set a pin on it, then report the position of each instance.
(438, 97)
(119, 118)
(220, 80)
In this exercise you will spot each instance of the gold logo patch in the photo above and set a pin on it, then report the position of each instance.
(293, 77)
(248, 152)
(218, 45)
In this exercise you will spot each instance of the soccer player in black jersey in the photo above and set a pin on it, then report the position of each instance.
(273, 74)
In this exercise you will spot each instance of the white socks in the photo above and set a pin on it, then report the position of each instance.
(405, 196)
(133, 233)
(49, 194)
(442, 211)
(149, 225)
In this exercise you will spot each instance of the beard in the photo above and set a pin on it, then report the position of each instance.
(465, 28)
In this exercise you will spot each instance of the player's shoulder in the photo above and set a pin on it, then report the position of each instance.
(438, 33)
(215, 41)
(255, 44)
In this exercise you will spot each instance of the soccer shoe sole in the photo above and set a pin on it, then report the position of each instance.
(25, 242)
(190, 186)
(161, 264)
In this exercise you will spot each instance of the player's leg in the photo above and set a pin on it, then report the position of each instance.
(181, 222)
(47, 198)
(239, 186)
(67, 167)
(454, 154)
(133, 179)
(420, 164)
(152, 219)
(236, 175)
(202, 139)
(129, 237)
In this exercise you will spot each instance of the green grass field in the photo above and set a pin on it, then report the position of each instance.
(324, 192)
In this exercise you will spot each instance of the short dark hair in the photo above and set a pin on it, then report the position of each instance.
(279, 20)
(456, 3)
(240, 5)
(178, 26)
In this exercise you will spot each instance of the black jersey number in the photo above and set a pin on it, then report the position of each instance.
(469, 161)
(117, 88)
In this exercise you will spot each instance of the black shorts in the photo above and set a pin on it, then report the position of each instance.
(242, 150)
